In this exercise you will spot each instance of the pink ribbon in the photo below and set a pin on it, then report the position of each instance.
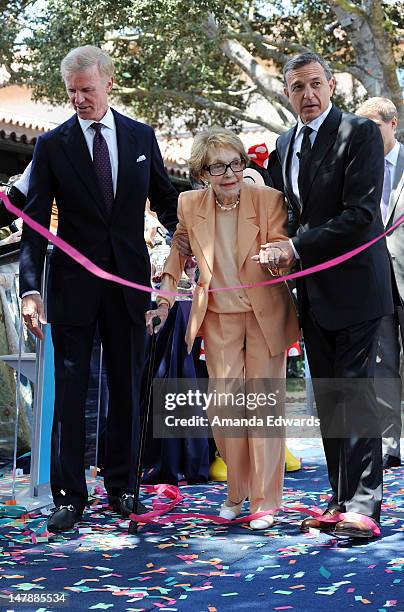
(97, 271)
(175, 497)
(339, 516)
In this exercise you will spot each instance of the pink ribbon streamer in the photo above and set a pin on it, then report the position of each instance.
(339, 516)
(97, 271)
(175, 497)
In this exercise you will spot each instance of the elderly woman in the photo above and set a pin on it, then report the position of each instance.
(246, 331)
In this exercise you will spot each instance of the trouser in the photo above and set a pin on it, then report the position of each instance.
(354, 462)
(235, 348)
(123, 349)
(388, 383)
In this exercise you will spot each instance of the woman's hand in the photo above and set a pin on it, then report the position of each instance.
(279, 254)
(266, 262)
(162, 313)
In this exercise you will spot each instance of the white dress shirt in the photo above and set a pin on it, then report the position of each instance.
(22, 183)
(297, 144)
(108, 130)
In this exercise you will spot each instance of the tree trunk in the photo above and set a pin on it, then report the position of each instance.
(375, 66)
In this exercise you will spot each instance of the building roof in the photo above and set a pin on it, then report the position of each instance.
(22, 120)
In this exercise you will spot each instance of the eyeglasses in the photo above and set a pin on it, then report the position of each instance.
(237, 165)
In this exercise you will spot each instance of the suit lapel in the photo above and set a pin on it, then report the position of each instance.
(398, 186)
(77, 151)
(286, 152)
(204, 228)
(327, 135)
(247, 230)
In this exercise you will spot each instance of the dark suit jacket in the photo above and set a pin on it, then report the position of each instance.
(341, 211)
(62, 169)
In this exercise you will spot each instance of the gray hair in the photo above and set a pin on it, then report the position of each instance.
(309, 57)
(81, 58)
(212, 138)
(384, 107)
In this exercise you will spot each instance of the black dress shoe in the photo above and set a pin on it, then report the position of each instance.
(317, 523)
(389, 461)
(124, 504)
(63, 518)
(353, 529)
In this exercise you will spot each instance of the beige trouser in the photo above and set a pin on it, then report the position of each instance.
(235, 348)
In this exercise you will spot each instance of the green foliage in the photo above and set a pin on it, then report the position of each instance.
(167, 50)
(11, 23)
(162, 46)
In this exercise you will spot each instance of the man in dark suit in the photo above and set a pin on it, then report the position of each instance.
(389, 352)
(332, 168)
(100, 167)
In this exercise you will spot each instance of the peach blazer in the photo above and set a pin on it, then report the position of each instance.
(262, 217)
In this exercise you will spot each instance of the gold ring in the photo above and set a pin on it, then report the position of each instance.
(273, 271)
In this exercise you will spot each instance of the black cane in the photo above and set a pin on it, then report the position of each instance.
(143, 430)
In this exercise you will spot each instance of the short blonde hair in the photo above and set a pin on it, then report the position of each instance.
(384, 107)
(209, 139)
(81, 58)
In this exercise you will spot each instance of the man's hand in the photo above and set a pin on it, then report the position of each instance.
(14, 237)
(162, 312)
(275, 255)
(33, 313)
(183, 246)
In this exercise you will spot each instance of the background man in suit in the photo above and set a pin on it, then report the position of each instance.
(17, 193)
(388, 380)
(100, 167)
(332, 168)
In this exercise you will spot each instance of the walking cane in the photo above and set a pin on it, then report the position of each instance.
(95, 467)
(149, 382)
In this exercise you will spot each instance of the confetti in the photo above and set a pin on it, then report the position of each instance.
(199, 566)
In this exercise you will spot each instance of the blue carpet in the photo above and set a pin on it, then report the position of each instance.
(204, 567)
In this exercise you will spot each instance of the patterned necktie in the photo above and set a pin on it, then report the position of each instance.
(102, 167)
(384, 204)
(304, 157)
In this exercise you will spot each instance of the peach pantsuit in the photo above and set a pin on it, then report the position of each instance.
(249, 341)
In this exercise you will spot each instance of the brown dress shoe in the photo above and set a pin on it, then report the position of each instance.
(353, 529)
(317, 523)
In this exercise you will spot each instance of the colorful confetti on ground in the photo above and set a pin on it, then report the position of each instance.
(192, 565)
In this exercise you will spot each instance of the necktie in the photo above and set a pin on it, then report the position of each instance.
(102, 167)
(304, 157)
(384, 204)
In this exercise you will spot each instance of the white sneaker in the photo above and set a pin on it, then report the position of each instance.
(265, 522)
(231, 512)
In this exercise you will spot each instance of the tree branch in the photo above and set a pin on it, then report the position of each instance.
(266, 41)
(200, 101)
(348, 7)
(264, 50)
(269, 86)
(360, 73)
(221, 92)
